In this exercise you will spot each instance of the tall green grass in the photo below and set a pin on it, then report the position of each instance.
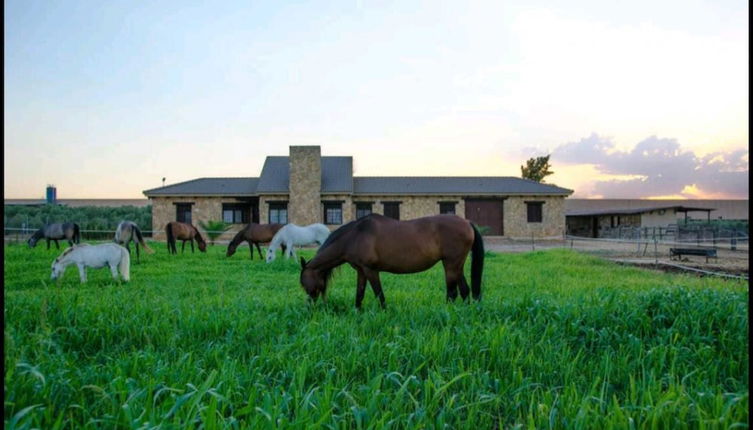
(560, 340)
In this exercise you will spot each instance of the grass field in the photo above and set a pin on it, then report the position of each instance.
(560, 340)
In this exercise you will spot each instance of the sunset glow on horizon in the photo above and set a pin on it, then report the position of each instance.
(632, 100)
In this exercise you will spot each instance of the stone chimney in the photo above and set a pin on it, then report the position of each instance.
(305, 185)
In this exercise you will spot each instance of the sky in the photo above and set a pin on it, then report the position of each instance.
(637, 99)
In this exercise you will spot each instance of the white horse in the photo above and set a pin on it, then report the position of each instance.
(96, 256)
(292, 234)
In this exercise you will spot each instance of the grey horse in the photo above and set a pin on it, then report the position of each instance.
(128, 231)
(56, 231)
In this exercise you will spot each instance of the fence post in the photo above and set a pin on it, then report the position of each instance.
(533, 245)
(733, 244)
(656, 252)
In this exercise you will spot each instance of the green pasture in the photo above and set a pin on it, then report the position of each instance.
(560, 340)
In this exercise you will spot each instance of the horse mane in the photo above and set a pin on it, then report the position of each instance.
(240, 236)
(68, 251)
(327, 274)
(335, 235)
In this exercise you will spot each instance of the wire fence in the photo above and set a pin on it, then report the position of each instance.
(23, 234)
(731, 260)
(697, 232)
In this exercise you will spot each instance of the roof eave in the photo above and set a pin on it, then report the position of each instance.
(457, 193)
(201, 195)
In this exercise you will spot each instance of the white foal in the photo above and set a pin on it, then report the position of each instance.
(292, 234)
(96, 256)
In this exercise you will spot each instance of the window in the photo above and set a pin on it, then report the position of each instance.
(333, 212)
(278, 213)
(392, 210)
(447, 208)
(183, 212)
(363, 209)
(535, 211)
(236, 213)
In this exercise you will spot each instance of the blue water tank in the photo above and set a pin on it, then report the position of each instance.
(52, 194)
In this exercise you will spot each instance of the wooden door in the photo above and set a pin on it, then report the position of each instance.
(486, 213)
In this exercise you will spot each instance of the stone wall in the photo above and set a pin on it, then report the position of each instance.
(203, 209)
(660, 218)
(305, 185)
(516, 223)
(516, 218)
(411, 207)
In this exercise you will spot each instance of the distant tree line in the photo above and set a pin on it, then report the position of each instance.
(87, 217)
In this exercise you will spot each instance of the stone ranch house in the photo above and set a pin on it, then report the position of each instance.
(305, 188)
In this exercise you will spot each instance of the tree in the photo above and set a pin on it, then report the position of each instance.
(214, 229)
(536, 169)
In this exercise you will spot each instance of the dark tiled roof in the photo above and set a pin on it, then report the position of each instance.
(453, 185)
(208, 186)
(337, 175)
(274, 175)
(636, 211)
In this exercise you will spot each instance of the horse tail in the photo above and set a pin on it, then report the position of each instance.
(125, 264)
(76, 233)
(141, 240)
(170, 236)
(477, 263)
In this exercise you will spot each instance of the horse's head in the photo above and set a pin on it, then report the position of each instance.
(57, 269)
(32, 241)
(230, 249)
(200, 241)
(270, 255)
(313, 281)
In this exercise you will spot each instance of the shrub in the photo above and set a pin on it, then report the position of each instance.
(214, 229)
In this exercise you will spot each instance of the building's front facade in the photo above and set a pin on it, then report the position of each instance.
(305, 188)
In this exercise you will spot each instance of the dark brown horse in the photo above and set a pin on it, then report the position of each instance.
(186, 232)
(56, 231)
(254, 234)
(375, 243)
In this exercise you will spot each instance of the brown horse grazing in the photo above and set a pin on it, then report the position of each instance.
(254, 234)
(181, 231)
(56, 231)
(375, 243)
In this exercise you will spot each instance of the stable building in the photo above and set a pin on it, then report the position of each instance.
(305, 187)
(604, 222)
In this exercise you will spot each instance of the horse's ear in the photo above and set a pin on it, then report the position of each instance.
(303, 263)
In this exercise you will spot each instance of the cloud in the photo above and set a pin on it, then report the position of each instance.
(659, 167)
